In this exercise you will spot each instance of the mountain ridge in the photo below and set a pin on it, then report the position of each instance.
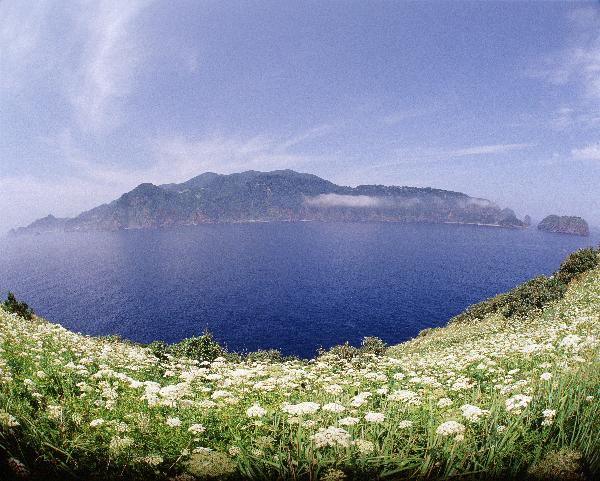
(279, 195)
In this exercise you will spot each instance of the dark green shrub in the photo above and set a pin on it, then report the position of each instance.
(20, 308)
(577, 263)
(343, 351)
(160, 349)
(536, 293)
(267, 355)
(201, 348)
(372, 345)
(531, 295)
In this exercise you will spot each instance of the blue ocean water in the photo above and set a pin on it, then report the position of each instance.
(291, 286)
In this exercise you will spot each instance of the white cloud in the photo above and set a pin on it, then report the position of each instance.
(590, 152)
(109, 60)
(486, 149)
(576, 68)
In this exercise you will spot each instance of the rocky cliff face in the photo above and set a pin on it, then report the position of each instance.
(564, 225)
(282, 195)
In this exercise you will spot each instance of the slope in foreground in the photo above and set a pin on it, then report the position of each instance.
(503, 398)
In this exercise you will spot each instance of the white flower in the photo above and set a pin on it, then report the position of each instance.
(517, 403)
(349, 421)
(548, 417)
(220, 394)
(364, 446)
(255, 411)
(405, 424)
(333, 408)
(332, 436)
(546, 376)
(405, 396)
(96, 422)
(473, 413)
(570, 342)
(118, 444)
(333, 389)
(373, 417)
(301, 408)
(444, 402)
(450, 428)
(151, 460)
(360, 399)
(173, 422)
(196, 429)
(55, 412)
(8, 420)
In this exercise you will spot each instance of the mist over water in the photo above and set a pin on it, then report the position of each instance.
(291, 286)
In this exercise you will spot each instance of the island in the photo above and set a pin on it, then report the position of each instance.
(564, 224)
(277, 196)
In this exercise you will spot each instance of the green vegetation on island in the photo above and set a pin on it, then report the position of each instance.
(511, 392)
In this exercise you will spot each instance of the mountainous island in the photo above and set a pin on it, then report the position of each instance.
(281, 195)
(565, 225)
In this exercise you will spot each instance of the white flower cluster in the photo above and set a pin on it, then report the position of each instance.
(331, 436)
(373, 417)
(450, 428)
(255, 411)
(473, 413)
(517, 403)
(333, 408)
(300, 409)
(549, 415)
(8, 420)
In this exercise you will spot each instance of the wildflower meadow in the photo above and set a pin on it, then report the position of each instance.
(497, 398)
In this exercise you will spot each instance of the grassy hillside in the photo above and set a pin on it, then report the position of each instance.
(500, 396)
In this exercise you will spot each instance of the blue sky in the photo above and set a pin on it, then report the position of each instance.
(497, 100)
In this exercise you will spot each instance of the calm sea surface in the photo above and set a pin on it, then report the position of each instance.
(291, 286)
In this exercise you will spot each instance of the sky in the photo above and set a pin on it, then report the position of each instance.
(499, 100)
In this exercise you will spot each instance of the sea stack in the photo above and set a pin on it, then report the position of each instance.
(565, 224)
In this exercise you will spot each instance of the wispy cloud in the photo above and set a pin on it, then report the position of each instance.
(590, 152)
(179, 158)
(576, 67)
(486, 149)
(442, 154)
(110, 57)
(20, 27)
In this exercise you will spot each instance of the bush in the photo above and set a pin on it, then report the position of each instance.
(369, 345)
(20, 308)
(577, 263)
(201, 348)
(265, 355)
(536, 293)
(373, 345)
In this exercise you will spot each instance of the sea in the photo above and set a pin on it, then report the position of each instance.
(295, 287)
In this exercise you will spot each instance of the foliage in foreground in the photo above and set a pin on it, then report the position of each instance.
(497, 398)
(19, 308)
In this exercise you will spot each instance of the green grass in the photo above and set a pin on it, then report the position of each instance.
(79, 407)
